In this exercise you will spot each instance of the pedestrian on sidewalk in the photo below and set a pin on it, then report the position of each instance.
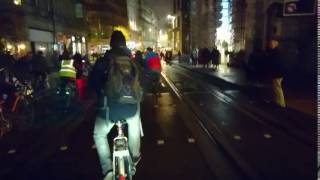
(215, 57)
(276, 72)
(194, 56)
(179, 56)
(204, 57)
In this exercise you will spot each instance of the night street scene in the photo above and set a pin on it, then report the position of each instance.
(158, 90)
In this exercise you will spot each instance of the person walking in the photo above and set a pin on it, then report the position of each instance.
(215, 57)
(115, 80)
(194, 56)
(275, 72)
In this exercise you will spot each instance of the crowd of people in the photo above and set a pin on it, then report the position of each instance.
(204, 56)
(33, 68)
(117, 80)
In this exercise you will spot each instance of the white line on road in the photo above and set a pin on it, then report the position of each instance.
(160, 142)
(12, 151)
(191, 140)
(267, 136)
(63, 148)
(237, 137)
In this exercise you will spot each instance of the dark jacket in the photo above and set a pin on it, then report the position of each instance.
(97, 81)
(274, 63)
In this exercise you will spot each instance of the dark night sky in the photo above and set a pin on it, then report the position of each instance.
(162, 8)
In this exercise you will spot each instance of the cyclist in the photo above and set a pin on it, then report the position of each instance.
(67, 71)
(110, 109)
(39, 70)
(153, 69)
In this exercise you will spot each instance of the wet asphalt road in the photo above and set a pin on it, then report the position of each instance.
(265, 141)
(248, 144)
(60, 145)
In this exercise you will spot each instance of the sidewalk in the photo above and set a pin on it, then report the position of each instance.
(302, 99)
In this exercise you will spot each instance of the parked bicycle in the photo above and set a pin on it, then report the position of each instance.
(23, 104)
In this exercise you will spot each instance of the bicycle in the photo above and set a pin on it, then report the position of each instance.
(24, 102)
(67, 93)
(123, 167)
(5, 125)
(154, 84)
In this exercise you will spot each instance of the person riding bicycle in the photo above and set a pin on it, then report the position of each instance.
(40, 70)
(67, 71)
(107, 79)
(153, 68)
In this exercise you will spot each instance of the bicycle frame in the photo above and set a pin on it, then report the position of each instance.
(122, 162)
(26, 91)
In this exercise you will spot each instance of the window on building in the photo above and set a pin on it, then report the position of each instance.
(33, 2)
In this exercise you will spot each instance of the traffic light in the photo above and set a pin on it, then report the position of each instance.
(298, 7)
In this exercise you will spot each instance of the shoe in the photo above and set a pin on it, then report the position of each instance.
(136, 160)
(109, 175)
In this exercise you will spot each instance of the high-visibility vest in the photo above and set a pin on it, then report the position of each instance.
(67, 69)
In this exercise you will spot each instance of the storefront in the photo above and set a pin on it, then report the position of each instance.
(41, 41)
(73, 43)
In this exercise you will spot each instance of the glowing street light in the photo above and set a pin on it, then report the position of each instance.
(169, 16)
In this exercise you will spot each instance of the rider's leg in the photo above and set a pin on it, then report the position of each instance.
(101, 129)
(134, 133)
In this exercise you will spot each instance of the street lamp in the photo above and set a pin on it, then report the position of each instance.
(169, 16)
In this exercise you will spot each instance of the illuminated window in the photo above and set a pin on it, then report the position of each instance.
(17, 2)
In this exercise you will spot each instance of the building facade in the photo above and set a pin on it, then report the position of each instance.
(13, 35)
(46, 25)
(134, 26)
(204, 21)
(102, 17)
(182, 26)
(149, 26)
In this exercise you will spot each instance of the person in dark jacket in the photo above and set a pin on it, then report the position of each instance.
(204, 57)
(108, 109)
(215, 57)
(275, 71)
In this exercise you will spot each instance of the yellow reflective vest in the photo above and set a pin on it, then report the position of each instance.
(67, 69)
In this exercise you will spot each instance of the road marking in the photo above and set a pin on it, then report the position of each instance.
(267, 136)
(191, 140)
(93, 146)
(63, 148)
(237, 137)
(160, 142)
(12, 151)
